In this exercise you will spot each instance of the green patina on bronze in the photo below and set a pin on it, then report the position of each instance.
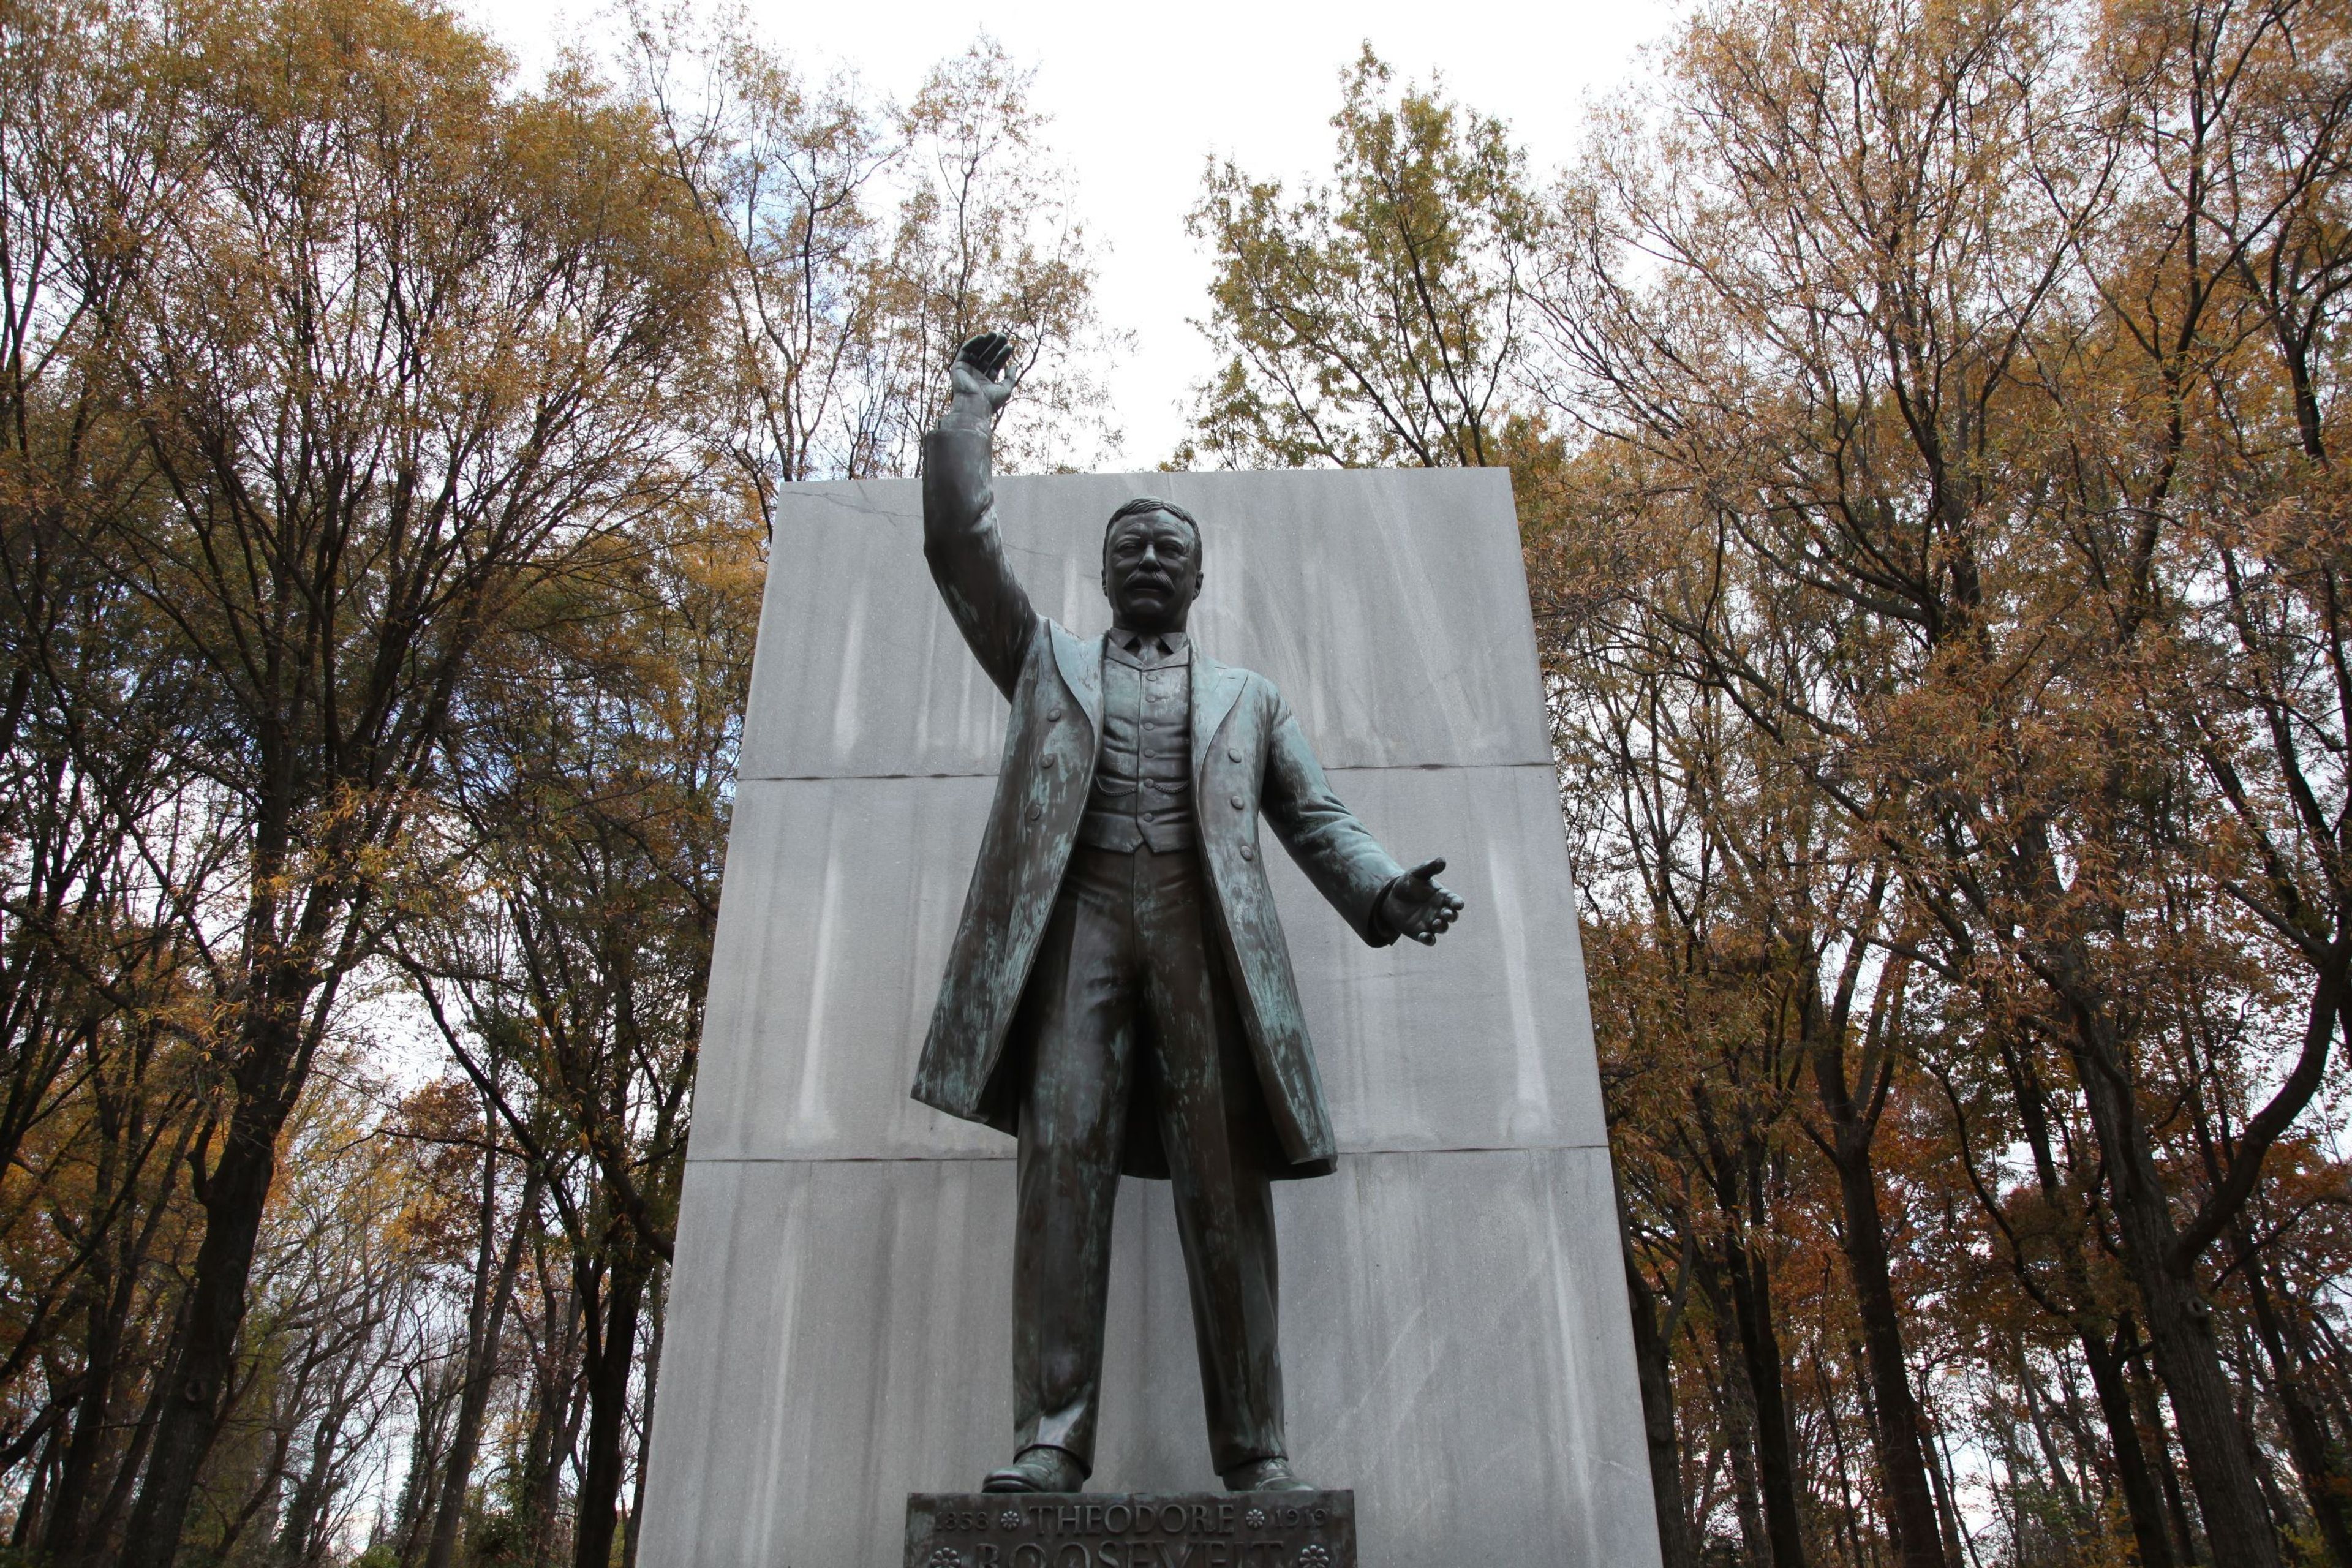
(1076, 1016)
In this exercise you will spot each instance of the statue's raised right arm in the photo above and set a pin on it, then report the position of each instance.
(960, 535)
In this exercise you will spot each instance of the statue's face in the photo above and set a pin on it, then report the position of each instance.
(1151, 570)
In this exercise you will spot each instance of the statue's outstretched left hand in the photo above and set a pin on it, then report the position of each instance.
(1419, 907)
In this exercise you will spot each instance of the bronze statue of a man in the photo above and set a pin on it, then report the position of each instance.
(1118, 995)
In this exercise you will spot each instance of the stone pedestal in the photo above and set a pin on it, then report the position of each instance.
(1132, 1530)
(1455, 1342)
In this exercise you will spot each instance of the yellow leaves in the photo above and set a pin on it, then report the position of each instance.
(1371, 321)
(1959, 512)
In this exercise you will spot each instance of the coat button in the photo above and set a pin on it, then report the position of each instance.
(1035, 810)
(1233, 753)
(1051, 762)
(1248, 852)
(1237, 803)
(1054, 716)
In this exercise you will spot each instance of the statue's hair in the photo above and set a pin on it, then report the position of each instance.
(1142, 504)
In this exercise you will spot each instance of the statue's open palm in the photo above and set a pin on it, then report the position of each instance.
(1417, 906)
(978, 380)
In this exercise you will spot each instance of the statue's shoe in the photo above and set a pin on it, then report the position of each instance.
(1266, 1475)
(1042, 1468)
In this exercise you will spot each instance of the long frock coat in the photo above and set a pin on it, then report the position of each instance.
(1249, 757)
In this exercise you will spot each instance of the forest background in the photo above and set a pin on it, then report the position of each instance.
(1923, 417)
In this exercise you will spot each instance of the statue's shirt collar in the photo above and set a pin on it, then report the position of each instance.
(1147, 650)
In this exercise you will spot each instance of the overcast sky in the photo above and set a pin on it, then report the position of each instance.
(1140, 96)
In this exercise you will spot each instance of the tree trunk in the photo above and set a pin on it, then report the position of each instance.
(31, 1507)
(2037, 1415)
(1736, 1414)
(1956, 1546)
(112, 1513)
(1910, 1502)
(2188, 1355)
(611, 1346)
(485, 1318)
(234, 1196)
(2325, 1488)
(1654, 1370)
(65, 1538)
(659, 1315)
(435, 1387)
(2103, 1343)
(2142, 1501)
(2150, 1402)
(300, 1534)
(554, 1423)
(1760, 1346)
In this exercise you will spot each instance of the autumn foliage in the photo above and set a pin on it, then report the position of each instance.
(388, 445)
(1924, 420)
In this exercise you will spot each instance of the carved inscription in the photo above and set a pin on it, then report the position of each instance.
(1111, 1529)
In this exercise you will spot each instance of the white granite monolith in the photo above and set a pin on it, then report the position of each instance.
(1455, 1342)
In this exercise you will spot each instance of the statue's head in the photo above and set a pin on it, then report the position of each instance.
(1151, 564)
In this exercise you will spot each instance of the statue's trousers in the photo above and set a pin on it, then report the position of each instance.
(1130, 1012)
